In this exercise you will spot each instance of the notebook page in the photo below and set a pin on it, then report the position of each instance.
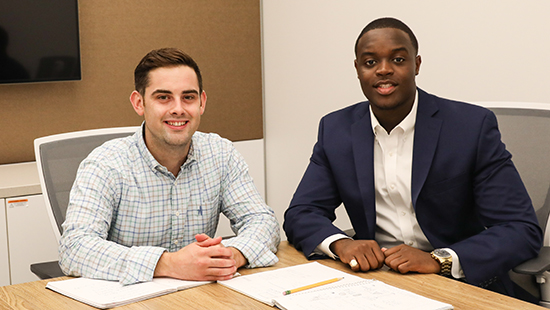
(106, 294)
(362, 295)
(268, 285)
(179, 284)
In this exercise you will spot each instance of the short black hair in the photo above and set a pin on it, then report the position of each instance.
(161, 58)
(388, 22)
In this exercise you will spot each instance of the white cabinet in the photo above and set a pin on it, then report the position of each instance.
(4, 262)
(30, 236)
(26, 236)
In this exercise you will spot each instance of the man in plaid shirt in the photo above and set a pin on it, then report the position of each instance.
(144, 206)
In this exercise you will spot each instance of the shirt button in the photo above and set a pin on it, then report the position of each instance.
(392, 186)
(175, 241)
(177, 214)
(391, 154)
(410, 243)
(403, 213)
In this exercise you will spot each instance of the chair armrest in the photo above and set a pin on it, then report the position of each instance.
(536, 265)
(47, 270)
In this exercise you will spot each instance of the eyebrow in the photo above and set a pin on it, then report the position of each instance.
(161, 91)
(165, 91)
(191, 91)
(398, 49)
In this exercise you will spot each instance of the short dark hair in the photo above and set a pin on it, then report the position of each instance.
(164, 57)
(388, 22)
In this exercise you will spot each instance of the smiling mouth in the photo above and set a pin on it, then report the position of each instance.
(177, 124)
(385, 88)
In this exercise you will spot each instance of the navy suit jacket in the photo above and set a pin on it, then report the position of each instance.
(466, 192)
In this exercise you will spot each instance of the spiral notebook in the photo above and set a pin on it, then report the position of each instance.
(352, 292)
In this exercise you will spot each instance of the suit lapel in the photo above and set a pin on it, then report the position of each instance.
(426, 136)
(363, 143)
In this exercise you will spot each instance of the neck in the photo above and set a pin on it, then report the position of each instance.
(171, 157)
(172, 161)
(392, 117)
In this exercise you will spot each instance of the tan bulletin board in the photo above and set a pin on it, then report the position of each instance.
(223, 37)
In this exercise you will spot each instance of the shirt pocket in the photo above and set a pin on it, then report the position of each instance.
(203, 211)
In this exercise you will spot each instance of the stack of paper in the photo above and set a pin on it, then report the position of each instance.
(352, 292)
(107, 294)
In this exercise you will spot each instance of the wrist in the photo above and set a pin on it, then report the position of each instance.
(239, 258)
(444, 259)
(162, 269)
(337, 245)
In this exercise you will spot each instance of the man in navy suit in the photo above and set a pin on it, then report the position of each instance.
(426, 182)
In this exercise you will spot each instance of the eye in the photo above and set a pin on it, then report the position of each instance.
(399, 60)
(162, 97)
(370, 62)
(189, 97)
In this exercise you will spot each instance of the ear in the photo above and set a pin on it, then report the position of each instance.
(418, 61)
(203, 101)
(355, 65)
(137, 102)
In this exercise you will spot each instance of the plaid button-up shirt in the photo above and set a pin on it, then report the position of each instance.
(126, 209)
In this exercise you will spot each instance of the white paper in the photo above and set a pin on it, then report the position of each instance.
(107, 294)
(268, 285)
(362, 295)
(350, 293)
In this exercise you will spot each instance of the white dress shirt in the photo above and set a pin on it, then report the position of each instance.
(396, 221)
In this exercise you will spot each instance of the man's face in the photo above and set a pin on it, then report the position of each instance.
(386, 66)
(172, 107)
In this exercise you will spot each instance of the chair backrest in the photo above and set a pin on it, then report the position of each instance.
(58, 158)
(525, 129)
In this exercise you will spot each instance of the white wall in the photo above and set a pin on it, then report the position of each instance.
(472, 50)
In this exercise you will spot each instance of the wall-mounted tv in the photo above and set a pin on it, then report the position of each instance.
(39, 41)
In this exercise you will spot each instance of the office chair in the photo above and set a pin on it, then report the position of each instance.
(57, 158)
(525, 129)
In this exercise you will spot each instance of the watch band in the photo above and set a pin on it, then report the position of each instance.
(444, 259)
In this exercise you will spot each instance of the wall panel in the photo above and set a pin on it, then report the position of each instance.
(222, 36)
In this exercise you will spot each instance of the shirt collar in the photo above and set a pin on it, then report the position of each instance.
(407, 124)
(150, 159)
(144, 151)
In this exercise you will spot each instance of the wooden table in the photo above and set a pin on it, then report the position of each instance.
(33, 295)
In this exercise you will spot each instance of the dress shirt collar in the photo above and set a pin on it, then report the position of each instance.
(407, 124)
(150, 159)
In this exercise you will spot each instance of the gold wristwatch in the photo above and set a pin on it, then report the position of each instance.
(444, 259)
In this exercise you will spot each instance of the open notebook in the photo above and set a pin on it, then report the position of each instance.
(104, 294)
(352, 292)
(367, 294)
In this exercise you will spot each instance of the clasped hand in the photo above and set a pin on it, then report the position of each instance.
(370, 256)
(205, 260)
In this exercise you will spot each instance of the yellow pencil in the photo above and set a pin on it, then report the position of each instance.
(307, 287)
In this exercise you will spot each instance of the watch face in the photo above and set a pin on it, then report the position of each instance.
(441, 253)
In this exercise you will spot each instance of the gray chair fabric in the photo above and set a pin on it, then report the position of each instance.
(58, 158)
(525, 130)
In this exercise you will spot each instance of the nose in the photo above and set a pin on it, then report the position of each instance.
(384, 68)
(178, 107)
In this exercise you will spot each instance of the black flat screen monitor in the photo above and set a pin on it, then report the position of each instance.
(39, 41)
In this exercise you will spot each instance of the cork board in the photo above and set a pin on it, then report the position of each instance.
(222, 36)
